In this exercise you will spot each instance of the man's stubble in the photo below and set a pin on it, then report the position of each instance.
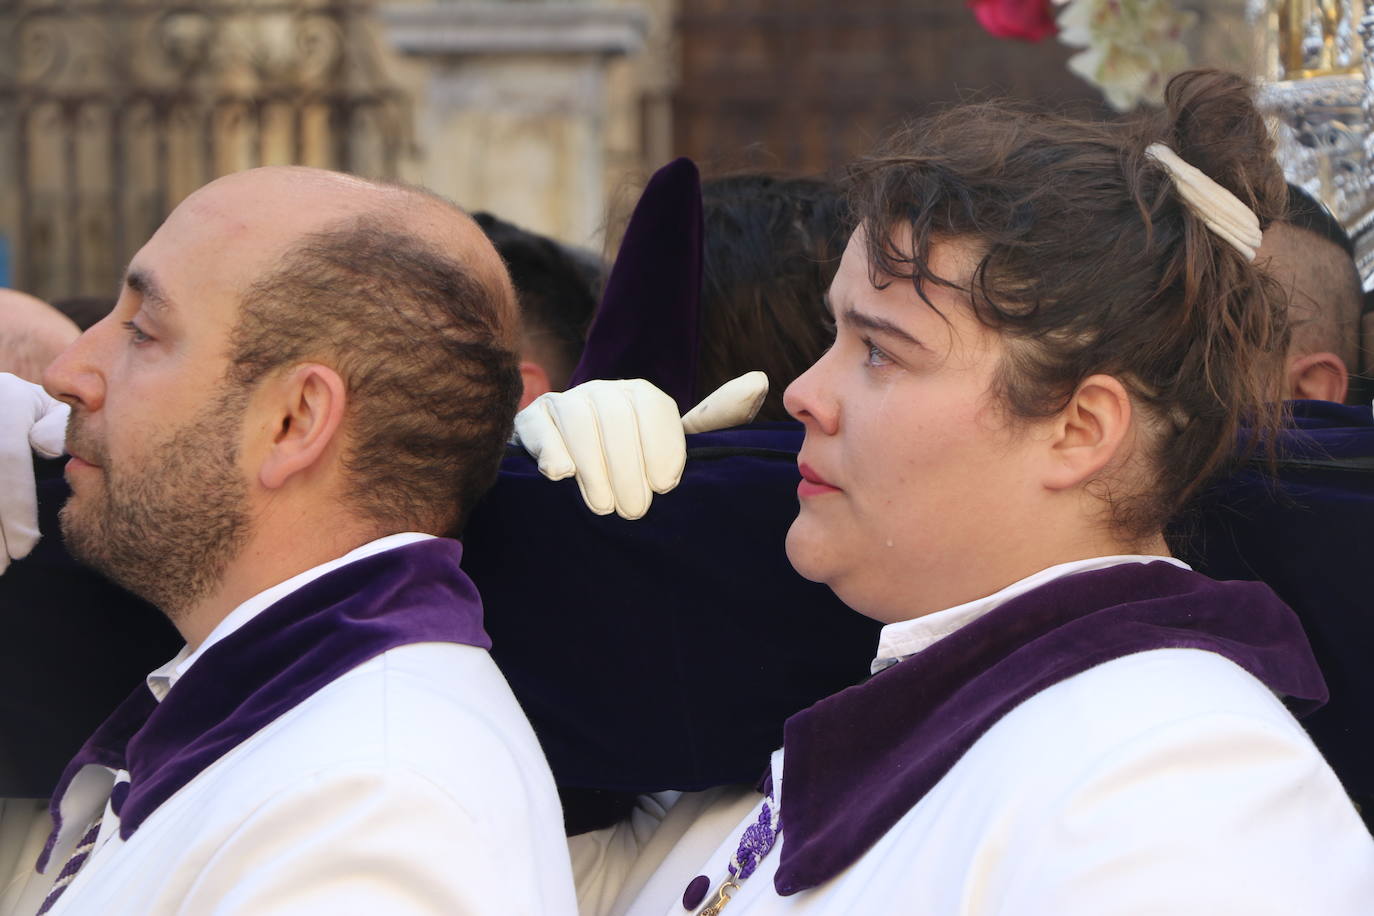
(168, 528)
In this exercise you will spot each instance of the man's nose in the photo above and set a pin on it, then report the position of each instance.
(74, 376)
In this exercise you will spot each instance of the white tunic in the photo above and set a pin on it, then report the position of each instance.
(1165, 782)
(411, 784)
(24, 827)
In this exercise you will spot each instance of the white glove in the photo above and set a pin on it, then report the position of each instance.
(29, 419)
(624, 439)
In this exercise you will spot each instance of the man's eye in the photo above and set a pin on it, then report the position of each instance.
(136, 333)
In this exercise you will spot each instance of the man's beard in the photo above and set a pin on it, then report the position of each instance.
(165, 530)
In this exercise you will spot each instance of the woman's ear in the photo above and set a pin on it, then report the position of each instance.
(1089, 432)
(309, 404)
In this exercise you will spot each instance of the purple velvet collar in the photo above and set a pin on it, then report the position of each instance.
(410, 594)
(856, 762)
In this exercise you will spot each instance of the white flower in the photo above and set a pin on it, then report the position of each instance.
(1131, 47)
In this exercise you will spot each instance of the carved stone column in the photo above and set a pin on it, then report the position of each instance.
(112, 111)
(512, 112)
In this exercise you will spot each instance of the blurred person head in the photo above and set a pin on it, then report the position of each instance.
(32, 333)
(299, 362)
(1311, 257)
(1042, 350)
(557, 289)
(1367, 337)
(84, 310)
(771, 246)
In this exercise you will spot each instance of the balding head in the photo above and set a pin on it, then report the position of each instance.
(262, 215)
(1325, 298)
(293, 351)
(403, 294)
(32, 333)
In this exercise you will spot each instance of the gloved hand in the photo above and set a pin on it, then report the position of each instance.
(29, 419)
(624, 439)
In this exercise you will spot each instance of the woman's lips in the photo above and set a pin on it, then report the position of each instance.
(812, 484)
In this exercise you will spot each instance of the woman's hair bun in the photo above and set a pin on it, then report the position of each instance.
(1210, 119)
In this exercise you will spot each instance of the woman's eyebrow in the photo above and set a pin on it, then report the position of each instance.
(868, 322)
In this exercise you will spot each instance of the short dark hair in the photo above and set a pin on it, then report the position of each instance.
(771, 246)
(420, 340)
(1090, 261)
(557, 291)
(85, 310)
(1328, 293)
(1306, 212)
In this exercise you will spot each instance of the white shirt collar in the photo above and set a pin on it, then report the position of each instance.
(905, 638)
(164, 678)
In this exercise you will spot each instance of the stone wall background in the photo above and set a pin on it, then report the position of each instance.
(549, 113)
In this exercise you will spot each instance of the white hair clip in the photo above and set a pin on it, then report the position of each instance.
(1221, 210)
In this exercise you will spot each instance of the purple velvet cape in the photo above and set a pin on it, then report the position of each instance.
(856, 762)
(648, 323)
(410, 594)
(1310, 537)
(684, 622)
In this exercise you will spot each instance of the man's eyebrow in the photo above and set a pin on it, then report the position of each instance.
(880, 325)
(146, 285)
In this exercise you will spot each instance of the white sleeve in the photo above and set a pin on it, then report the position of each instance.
(615, 866)
(1217, 814)
(377, 842)
(24, 828)
(603, 859)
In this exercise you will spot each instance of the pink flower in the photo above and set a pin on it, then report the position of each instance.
(1028, 20)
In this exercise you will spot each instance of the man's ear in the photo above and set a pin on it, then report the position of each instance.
(1088, 433)
(309, 405)
(536, 381)
(1318, 377)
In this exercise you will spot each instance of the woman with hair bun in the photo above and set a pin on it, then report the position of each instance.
(1049, 334)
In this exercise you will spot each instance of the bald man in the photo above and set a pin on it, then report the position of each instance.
(32, 333)
(306, 378)
(1312, 259)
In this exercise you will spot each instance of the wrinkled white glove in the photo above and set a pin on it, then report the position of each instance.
(29, 420)
(624, 439)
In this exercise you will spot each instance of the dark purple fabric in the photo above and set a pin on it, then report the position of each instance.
(695, 892)
(410, 594)
(118, 794)
(1328, 430)
(695, 639)
(73, 645)
(78, 858)
(856, 762)
(647, 325)
(1310, 537)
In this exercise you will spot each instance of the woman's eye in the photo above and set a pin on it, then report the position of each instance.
(136, 333)
(876, 357)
